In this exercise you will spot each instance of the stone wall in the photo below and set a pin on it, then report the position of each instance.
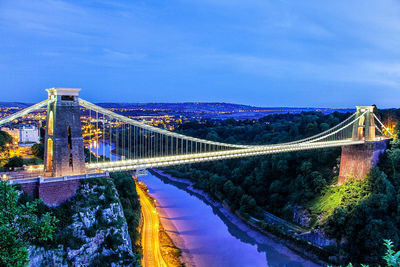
(31, 189)
(54, 193)
(357, 160)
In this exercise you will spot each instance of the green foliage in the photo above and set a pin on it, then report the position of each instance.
(93, 195)
(348, 194)
(33, 161)
(247, 205)
(393, 158)
(14, 162)
(366, 213)
(113, 241)
(391, 257)
(38, 150)
(130, 202)
(20, 224)
(5, 138)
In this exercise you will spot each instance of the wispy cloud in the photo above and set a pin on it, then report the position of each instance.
(269, 47)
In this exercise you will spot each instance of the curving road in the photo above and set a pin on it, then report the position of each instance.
(150, 240)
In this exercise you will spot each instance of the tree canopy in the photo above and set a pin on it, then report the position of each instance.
(14, 162)
(38, 150)
(5, 138)
(20, 224)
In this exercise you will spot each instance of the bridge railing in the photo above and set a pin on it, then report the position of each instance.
(40, 179)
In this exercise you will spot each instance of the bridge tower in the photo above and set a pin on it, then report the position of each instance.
(357, 160)
(365, 128)
(64, 154)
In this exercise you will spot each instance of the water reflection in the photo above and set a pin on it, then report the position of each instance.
(105, 149)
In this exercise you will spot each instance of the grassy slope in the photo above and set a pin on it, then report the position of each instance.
(351, 192)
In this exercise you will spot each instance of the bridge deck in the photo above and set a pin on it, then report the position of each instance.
(125, 165)
(22, 177)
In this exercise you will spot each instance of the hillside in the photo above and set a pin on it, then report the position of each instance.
(92, 230)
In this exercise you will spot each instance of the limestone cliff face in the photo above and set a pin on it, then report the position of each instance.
(94, 233)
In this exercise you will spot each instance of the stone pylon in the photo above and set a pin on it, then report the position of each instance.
(357, 160)
(64, 154)
(364, 129)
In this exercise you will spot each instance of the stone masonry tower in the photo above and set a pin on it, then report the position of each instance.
(365, 128)
(357, 160)
(64, 154)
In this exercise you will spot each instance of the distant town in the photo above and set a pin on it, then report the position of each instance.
(178, 111)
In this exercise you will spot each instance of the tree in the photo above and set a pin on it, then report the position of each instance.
(336, 223)
(394, 160)
(247, 204)
(306, 167)
(5, 138)
(324, 126)
(213, 136)
(311, 128)
(317, 181)
(397, 129)
(38, 150)
(392, 257)
(14, 162)
(217, 183)
(229, 189)
(20, 225)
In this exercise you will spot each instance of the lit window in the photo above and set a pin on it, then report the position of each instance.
(50, 125)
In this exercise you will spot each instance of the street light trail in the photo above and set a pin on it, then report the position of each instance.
(150, 240)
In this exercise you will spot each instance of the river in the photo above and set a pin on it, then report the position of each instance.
(209, 238)
(104, 149)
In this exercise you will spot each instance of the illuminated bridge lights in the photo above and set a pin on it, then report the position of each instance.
(135, 150)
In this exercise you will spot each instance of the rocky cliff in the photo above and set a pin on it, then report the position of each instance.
(92, 231)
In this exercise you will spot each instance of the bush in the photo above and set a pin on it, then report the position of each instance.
(14, 162)
(113, 241)
(38, 150)
(33, 161)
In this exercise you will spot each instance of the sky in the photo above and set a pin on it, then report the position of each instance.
(258, 52)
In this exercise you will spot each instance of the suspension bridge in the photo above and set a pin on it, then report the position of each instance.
(119, 143)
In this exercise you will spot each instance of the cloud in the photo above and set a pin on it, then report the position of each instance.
(290, 46)
(362, 72)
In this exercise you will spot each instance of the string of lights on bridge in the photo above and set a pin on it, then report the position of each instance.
(118, 143)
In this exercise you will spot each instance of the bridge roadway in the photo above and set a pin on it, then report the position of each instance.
(134, 164)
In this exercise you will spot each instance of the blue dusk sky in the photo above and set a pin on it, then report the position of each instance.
(265, 53)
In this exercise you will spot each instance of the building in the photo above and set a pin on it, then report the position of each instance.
(28, 135)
